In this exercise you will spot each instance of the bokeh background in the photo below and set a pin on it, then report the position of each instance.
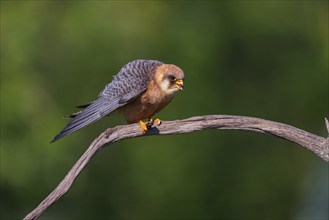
(266, 59)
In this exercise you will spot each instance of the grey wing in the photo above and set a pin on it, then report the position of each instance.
(90, 114)
(131, 81)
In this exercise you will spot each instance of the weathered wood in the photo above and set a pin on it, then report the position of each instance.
(317, 144)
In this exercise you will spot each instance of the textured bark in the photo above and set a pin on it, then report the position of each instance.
(316, 144)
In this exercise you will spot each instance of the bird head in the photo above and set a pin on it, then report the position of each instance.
(170, 78)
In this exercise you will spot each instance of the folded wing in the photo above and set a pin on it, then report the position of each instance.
(129, 83)
(95, 111)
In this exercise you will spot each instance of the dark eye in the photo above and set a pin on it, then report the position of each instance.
(172, 78)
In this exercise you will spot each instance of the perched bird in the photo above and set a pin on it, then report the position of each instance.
(141, 89)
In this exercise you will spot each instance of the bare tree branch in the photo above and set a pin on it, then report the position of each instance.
(317, 144)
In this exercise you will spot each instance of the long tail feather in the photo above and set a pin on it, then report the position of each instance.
(90, 114)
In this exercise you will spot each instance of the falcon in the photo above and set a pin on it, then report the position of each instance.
(140, 90)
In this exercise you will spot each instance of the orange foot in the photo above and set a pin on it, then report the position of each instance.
(157, 121)
(152, 121)
(144, 126)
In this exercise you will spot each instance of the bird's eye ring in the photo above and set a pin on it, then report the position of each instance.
(172, 78)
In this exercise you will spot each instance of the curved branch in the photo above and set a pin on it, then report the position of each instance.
(317, 144)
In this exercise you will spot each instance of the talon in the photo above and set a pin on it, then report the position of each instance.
(157, 121)
(143, 126)
(150, 123)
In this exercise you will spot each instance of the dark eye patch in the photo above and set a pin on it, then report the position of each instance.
(172, 78)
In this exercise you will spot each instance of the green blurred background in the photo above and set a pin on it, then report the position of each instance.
(263, 59)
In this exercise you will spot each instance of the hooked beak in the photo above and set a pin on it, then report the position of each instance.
(179, 84)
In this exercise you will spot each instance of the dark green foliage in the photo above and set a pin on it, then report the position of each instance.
(264, 59)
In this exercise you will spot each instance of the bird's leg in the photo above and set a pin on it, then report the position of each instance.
(144, 126)
(157, 121)
(153, 121)
(150, 123)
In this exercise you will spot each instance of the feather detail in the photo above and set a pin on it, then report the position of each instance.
(95, 111)
(128, 85)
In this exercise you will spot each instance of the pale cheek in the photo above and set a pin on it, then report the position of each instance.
(165, 87)
(171, 91)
